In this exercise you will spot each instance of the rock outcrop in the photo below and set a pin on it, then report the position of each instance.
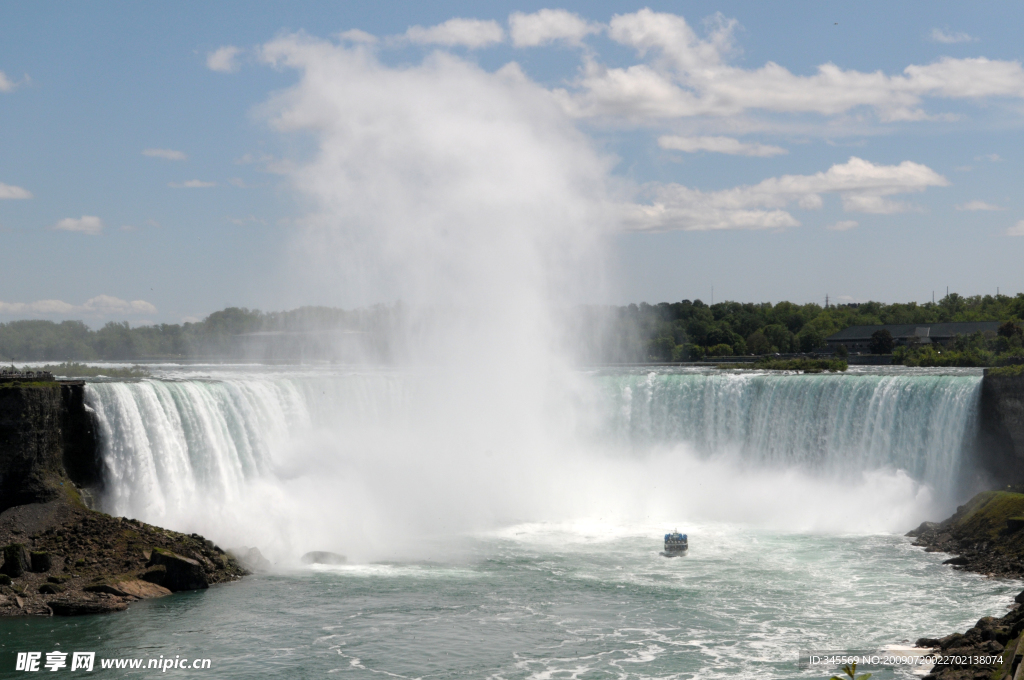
(47, 442)
(323, 557)
(178, 573)
(1000, 448)
(984, 539)
(95, 563)
(983, 534)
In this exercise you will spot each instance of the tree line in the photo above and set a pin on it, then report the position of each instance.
(667, 331)
(693, 330)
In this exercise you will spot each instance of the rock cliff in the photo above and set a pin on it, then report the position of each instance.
(58, 556)
(1001, 427)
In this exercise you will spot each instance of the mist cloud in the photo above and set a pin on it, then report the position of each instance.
(438, 183)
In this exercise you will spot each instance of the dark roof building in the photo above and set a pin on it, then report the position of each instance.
(856, 338)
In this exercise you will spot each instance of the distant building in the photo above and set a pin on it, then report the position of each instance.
(857, 338)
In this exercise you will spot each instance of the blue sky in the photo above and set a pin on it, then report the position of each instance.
(866, 151)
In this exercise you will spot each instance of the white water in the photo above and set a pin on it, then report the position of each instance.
(300, 460)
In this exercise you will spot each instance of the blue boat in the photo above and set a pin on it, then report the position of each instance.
(675, 544)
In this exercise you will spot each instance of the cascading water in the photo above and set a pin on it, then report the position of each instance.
(831, 424)
(266, 457)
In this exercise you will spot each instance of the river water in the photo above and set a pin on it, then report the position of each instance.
(481, 550)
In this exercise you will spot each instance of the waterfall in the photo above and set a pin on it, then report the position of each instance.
(314, 453)
(833, 424)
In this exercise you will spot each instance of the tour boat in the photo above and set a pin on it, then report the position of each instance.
(675, 544)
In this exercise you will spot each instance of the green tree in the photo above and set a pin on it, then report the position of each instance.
(757, 343)
(881, 342)
(810, 339)
(779, 337)
(1010, 329)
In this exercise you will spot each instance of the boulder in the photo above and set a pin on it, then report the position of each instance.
(957, 561)
(924, 528)
(250, 558)
(41, 561)
(142, 589)
(51, 589)
(155, 575)
(133, 587)
(16, 561)
(321, 557)
(183, 573)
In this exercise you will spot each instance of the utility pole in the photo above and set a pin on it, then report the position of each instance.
(826, 300)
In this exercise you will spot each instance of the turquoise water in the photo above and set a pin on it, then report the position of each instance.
(511, 528)
(581, 600)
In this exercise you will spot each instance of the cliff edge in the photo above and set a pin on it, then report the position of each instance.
(1000, 448)
(58, 556)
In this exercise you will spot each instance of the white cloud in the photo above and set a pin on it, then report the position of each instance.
(6, 84)
(8, 191)
(86, 224)
(357, 36)
(843, 225)
(861, 185)
(726, 145)
(167, 154)
(192, 184)
(977, 205)
(472, 33)
(549, 25)
(1016, 230)
(948, 37)
(992, 157)
(684, 74)
(107, 305)
(223, 59)
(101, 305)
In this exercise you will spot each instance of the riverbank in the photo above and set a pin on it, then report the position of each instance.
(985, 536)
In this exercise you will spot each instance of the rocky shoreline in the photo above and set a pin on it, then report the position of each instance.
(59, 558)
(986, 535)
